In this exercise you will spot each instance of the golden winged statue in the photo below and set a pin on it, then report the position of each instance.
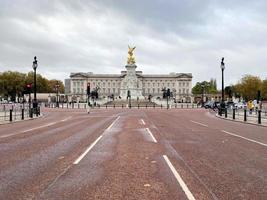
(131, 59)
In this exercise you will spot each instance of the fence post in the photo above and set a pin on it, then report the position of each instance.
(245, 115)
(22, 114)
(10, 115)
(259, 116)
(233, 113)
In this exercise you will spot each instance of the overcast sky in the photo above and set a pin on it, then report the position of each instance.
(185, 36)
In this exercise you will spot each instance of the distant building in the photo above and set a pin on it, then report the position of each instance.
(180, 84)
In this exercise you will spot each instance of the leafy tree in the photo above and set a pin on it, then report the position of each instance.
(248, 87)
(13, 83)
(52, 85)
(209, 87)
(264, 89)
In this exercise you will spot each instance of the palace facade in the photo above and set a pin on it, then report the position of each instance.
(180, 84)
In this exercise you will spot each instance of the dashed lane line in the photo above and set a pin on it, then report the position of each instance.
(113, 123)
(143, 122)
(260, 143)
(199, 123)
(187, 192)
(87, 150)
(152, 136)
(94, 143)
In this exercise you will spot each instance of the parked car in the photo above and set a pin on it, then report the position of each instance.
(240, 105)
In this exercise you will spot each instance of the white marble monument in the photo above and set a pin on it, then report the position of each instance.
(130, 85)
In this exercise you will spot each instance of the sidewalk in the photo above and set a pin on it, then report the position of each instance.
(251, 118)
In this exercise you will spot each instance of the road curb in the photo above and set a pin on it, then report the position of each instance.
(239, 121)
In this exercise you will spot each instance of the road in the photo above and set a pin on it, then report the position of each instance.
(132, 154)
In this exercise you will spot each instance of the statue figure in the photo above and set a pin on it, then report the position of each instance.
(131, 59)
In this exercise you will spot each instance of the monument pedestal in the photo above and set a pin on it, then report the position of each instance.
(130, 84)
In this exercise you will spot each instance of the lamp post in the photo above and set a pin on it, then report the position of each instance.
(35, 103)
(202, 95)
(57, 90)
(222, 100)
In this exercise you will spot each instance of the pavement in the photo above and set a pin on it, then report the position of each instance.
(251, 118)
(132, 154)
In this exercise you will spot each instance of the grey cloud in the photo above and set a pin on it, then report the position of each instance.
(183, 36)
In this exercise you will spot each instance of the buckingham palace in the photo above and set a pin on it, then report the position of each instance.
(141, 86)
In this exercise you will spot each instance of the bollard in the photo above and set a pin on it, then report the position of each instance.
(186, 105)
(233, 113)
(121, 105)
(192, 105)
(10, 115)
(225, 112)
(62, 105)
(31, 112)
(84, 106)
(259, 116)
(106, 106)
(182, 105)
(113, 105)
(245, 115)
(78, 106)
(67, 105)
(146, 105)
(72, 105)
(154, 105)
(138, 106)
(22, 114)
(161, 106)
(175, 105)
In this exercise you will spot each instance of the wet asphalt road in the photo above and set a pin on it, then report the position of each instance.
(132, 154)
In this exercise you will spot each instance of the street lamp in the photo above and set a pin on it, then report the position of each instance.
(222, 68)
(35, 103)
(57, 90)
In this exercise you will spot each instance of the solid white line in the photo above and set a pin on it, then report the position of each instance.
(63, 120)
(8, 135)
(153, 138)
(50, 124)
(143, 122)
(179, 179)
(87, 150)
(260, 143)
(113, 123)
(199, 123)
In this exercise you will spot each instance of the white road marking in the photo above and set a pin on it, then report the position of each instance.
(152, 136)
(63, 120)
(87, 150)
(260, 143)
(143, 122)
(113, 123)
(179, 179)
(199, 123)
(8, 135)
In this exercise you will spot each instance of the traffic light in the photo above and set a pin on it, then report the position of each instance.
(28, 88)
(168, 92)
(88, 88)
